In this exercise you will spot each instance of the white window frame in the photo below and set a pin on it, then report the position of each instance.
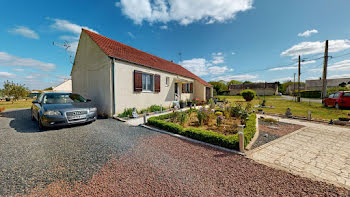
(167, 79)
(147, 80)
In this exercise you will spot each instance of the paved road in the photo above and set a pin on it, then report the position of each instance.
(286, 97)
(317, 151)
(110, 158)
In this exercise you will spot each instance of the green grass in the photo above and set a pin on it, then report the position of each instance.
(298, 109)
(16, 104)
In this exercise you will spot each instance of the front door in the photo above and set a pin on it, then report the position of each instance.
(207, 93)
(177, 96)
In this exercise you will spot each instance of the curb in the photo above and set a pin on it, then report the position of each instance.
(256, 135)
(193, 140)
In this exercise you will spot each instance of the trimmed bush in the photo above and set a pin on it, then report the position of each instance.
(230, 141)
(310, 94)
(248, 94)
(127, 113)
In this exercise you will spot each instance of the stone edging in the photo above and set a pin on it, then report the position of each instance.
(256, 135)
(193, 140)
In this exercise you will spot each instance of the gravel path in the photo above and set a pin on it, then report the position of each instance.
(109, 158)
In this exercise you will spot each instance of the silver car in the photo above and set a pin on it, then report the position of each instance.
(62, 109)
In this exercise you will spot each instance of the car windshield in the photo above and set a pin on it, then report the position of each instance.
(63, 98)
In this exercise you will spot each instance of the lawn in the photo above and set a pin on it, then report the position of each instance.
(16, 104)
(298, 109)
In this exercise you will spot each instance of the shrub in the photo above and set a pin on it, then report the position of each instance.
(310, 94)
(335, 89)
(211, 137)
(218, 120)
(2, 109)
(155, 108)
(248, 94)
(235, 111)
(127, 113)
(182, 118)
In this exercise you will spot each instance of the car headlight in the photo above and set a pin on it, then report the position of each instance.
(52, 113)
(94, 109)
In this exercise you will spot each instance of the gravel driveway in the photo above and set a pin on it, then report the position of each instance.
(108, 157)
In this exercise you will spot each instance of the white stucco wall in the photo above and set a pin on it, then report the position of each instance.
(66, 86)
(91, 75)
(127, 98)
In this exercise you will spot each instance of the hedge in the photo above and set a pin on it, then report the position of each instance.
(310, 94)
(230, 141)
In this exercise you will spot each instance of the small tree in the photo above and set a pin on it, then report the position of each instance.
(15, 90)
(248, 94)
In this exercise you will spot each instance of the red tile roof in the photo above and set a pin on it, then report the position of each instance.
(121, 51)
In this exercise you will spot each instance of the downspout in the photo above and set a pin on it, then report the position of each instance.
(113, 86)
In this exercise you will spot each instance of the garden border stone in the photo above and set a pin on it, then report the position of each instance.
(256, 135)
(193, 140)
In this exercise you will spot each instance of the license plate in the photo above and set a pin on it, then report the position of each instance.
(76, 117)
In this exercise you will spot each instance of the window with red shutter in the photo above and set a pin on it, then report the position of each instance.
(191, 87)
(137, 81)
(183, 88)
(157, 83)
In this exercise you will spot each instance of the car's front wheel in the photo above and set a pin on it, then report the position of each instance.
(336, 106)
(41, 126)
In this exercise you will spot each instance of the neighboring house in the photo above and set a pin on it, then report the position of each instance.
(65, 86)
(317, 84)
(116, 76)
(261, 89)
(290, 89)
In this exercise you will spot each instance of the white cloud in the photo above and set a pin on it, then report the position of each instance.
(284, 68)
(7, 75)
(340, 66)
(218, 70)
(11, 60)
(201, 67)
(245, 77)
(308, 48)
(218, 58)
(163, 27)
(233, 53)
(66, 26)
(308, 33)
(292, 67)
(24, 31)
(182, 11)
(283, 79)
(18, 69)
(131, 35)
(339, 76)
(196, 65)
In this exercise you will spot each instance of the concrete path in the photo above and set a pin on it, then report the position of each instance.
(291, 98)
(316, 151)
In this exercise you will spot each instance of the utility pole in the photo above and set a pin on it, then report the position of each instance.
(324, 76)
(298, 98)
(294, 88)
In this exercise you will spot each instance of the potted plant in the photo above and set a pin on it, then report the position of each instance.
(189, 103)
(182, 104)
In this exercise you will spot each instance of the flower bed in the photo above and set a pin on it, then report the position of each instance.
(209, 136)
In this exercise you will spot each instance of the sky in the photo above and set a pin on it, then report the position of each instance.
(255, 40)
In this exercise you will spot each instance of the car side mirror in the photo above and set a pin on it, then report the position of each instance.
(34, 102)
(88, 100)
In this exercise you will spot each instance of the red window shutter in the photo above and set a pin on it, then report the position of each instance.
(183, 88)
(191, 87)
(137, 81)
(157, 83)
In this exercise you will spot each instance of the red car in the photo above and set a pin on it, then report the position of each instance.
(337, 100)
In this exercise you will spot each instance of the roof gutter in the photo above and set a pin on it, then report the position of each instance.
(113, 86)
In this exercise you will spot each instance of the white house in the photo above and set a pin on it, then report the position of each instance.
(65, 86)
(116, 76)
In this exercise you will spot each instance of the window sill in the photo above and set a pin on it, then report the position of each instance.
(147, 91)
